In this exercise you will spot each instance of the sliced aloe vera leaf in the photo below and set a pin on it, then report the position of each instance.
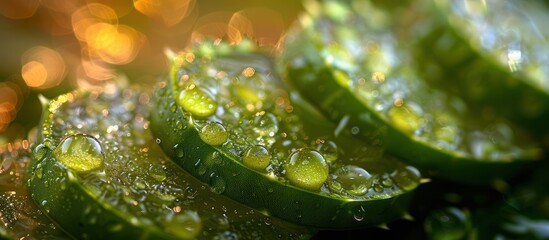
(494, 54)
(99, 174)
(243, 135)
(353, 69)
(20, 218)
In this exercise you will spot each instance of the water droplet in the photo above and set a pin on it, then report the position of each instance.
(359, 213)
(214, 133)
(378, 188)
(386, 182)
(257, 157)
(201, 167)
(355, 180)
(80, 152)
(405, 117)
(328, 149)
(178, 150)
(448, 223)
(40, 152)
(406, 178)
(186, 225)
(307, 168)
(157, 172)
(39, 171)
(197, 101)
(44, 202)
(217, 184)
(266, 124)
(227, 235)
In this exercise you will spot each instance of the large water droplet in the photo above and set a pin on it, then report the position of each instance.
(406, 178)
(307, 168)
(257, 157)
(186, 225)
(328, 149)
(217, 184)
(354, 180)
(80, 152)
(214, 133)
(406, 118)
(197, 101)
(266, 124)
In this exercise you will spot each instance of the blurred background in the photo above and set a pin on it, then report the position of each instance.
(48, 47)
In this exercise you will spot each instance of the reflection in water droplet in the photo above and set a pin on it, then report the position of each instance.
(405, 117)
(266, 124)
(328, 149)
(197, 101)
(80, 152)
(178, 150)
(406, 178)
(186, 225)
(359, 213)
(256, 157)
(355, 180)
(214, 133)
(217, 184)
(307, 168)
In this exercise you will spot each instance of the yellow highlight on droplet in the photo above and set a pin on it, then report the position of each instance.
(80, 152)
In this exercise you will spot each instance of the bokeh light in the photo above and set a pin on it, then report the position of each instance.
(10, 101)
(55, 46)
(167, 12)
(18, 9)
(42, 67)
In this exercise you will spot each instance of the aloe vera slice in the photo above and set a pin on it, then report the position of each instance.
(20, 218)
(492, 53)
(353, 69)
(226, 119)
(99, 174)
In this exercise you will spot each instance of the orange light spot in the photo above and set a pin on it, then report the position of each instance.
(9, 102)
(18, 9)
(34, 74)
(167, 12)
(42, 67)
(399, 102)
(113, 44)
(89, 15)
(263, 25)
(95, 70)
(248, 72)
(239, 27)
(212, 25)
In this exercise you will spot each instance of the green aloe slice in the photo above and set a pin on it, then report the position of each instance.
(352, 68)
(20, 218)
(226, 119)
(492, 53)
(99, 174)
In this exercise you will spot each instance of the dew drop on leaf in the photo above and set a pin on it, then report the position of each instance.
(80, 152)
(257, 157)
(214, 133)
(307, 168)
(354, 180)
(197, 101)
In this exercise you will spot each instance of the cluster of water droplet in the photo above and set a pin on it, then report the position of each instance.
(364, 56)
(104, 139)
(20, 217)
(254, 120)
(505, 33)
